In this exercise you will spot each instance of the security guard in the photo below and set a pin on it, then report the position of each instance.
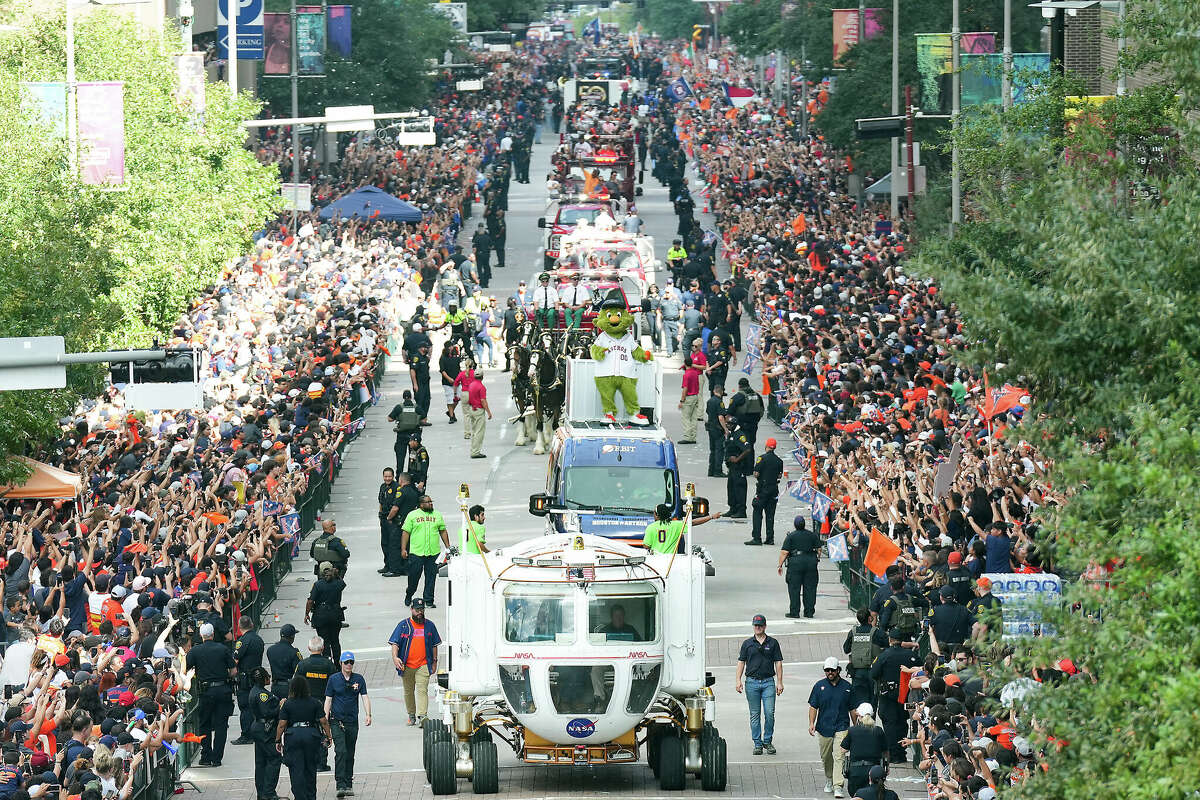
(302, 736)
(248, 655)
(324, 607)
(283, 658)
(406, 420)
(206, 613)
(329, 548)
(316, 669)
(747, 407)
(739, 455)
(949, 623)
(664, 534)
(385, 497)
(264, 708)
(959, 577)
(213, 685)
(865, 746)
(476, 537)
(404, 499)
(982, 605)
(768, 470)
(902, 610)
(714, 409)
(418, 462)
(676, 256)
(719, 358)
(863, 648)
(799, 552)
(885, 673)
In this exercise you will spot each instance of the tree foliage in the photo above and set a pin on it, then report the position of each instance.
(112, 268)
(673, 19)
(391, 42)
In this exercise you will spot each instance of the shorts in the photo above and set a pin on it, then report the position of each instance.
(451, 393)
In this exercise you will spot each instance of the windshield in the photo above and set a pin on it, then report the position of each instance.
(539, 615)
(571, 216)
(635, 489)
(621, 618)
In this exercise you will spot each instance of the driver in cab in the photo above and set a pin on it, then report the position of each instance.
(617, 627)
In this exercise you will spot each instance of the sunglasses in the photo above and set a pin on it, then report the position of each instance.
(347, 662)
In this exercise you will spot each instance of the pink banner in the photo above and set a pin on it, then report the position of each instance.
(101, 110)
(845, 28)
(277, 39)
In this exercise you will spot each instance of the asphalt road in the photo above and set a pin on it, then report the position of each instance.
(389, 753)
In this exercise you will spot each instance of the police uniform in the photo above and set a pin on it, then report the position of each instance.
(316, 669)
(747, 421)
(802, 546)
(718, 355)
(892, 615)
(418, 365)
(418, 465)
(979, 606)
(264, 708)
(213, 663)
(405, 499)
(713, 410)
(326, 598)
(865, 747)
(862, 647)
(959, 579)
(735, 482)
(220, 629)
(303, 744)
(282, 657)
(248, 655)
(385, 497)
(951, 622)
(331, 548)
(885, 673)
(768, 469)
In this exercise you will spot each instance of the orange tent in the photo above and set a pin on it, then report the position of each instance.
(45, 483)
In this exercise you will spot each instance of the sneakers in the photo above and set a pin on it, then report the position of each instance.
(479, 455)
(242, 740)
(770, 748)
(412, 719)
(839, 791)
(753, 543)
(639, 419)
(758, 751)
(829, 787)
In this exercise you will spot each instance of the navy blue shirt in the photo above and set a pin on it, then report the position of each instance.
(999, 549)
(760, 659)
(345, 694)
(832, 703)
(75, 593)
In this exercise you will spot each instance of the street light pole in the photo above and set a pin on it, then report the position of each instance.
(72, 121)
(1007, 86)
(955, 99)
(233, 7)
(295, 113)
(895, 179)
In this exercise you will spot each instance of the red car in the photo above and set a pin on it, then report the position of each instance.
(564, 222)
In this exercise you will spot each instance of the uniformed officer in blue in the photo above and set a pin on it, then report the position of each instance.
(342, 693)
(283, 658)
(302, 730)
(760, 661)
(264, 707)
(949, 623)
(248, 654)
(213, 687)
(885, 674)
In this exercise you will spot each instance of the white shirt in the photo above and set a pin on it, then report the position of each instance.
(506, 144)
(545, 297)
(576, 295)
(619, 358)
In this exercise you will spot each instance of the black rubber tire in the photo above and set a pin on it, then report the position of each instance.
(713, 763)
(442, 777)
(486, 776)
(671, 754)
(654, 734)
(483, 734)
(432, 737)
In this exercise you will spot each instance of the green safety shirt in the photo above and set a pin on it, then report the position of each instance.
(424, 532)
(663, 537)
(676, 253)
(479, 537)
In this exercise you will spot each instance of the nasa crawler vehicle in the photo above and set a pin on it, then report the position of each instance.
(576, 649)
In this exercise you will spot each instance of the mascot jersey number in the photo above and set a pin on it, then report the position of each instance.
(615, 352)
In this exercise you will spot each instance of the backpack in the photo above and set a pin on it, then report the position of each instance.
(321, 551)
(863, 649)
(753, 407)
(407, 420)
(906, 614)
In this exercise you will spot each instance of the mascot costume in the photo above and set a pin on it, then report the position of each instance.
(616, 352)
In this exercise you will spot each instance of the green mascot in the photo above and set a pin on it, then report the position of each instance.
(615, 352)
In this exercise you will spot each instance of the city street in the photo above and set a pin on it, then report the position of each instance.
(746, 583)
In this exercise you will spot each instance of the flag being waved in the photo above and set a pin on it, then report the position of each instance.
(736, 96)
(882, 552)
(679, 89)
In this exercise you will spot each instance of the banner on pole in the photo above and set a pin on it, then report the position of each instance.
(277, 59)
(934, 56)
(339, 30)
(982, 77)
(101, 110)
(189, 69)
(310, 43)
(249, 29)
(46, 103)
(845, 28)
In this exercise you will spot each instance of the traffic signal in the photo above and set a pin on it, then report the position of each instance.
(178, 367)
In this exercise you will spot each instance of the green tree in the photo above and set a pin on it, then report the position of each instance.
(112, 268)
(673, 19)
(392, 41)
(490, 15)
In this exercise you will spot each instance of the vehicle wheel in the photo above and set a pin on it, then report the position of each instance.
(441, 768)
(483, 734)
(712, 763)
(654, 734)
(486, 776)
(671, 762)
(432, 737)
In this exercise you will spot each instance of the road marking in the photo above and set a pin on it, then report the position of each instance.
(487, 495)
(777, 633)
(783, 624)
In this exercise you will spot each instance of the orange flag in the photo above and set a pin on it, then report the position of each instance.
(882, 552)
(799, 225)
(812, 470)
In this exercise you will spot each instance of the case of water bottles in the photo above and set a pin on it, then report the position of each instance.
(1022, 597)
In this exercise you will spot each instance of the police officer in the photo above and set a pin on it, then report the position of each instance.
(959, 578)
(418, 348)
(264, 709)
(404, 415)
(865, 746)
(418, 463)
(739, 455)
(300, 735)
(324, 607)
(206, 613)
(329, 548)
(385, 497)
(719, 359)
(213, 686)
(982, 604)
(768, 470)
(799, 552)
(404, 499)
(283, 658)
(746, 406)
(863, 649)
(885, 673)
(316, 670)
(902, 610)
(949, 624)
(714, 409)
(248, 655)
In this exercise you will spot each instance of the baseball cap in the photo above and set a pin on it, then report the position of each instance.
(832, 663)
(759, 619)
(984, 583)
(876, 773)
(946, 591)
(418, 603)
(346, 656)
(896, 633)
(288, 630)
(954, 558)
(771, 443)
(864, 709)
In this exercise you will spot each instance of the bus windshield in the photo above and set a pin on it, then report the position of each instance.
(636, 489)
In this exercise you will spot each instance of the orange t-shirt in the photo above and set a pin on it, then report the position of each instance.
(416, 650)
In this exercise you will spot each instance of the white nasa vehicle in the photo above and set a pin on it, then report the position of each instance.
(576, 649)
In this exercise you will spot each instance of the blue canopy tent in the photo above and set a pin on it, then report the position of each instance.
(370, 202)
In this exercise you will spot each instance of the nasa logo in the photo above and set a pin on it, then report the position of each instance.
(522, 655)
(639, 654)
(580, 728)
